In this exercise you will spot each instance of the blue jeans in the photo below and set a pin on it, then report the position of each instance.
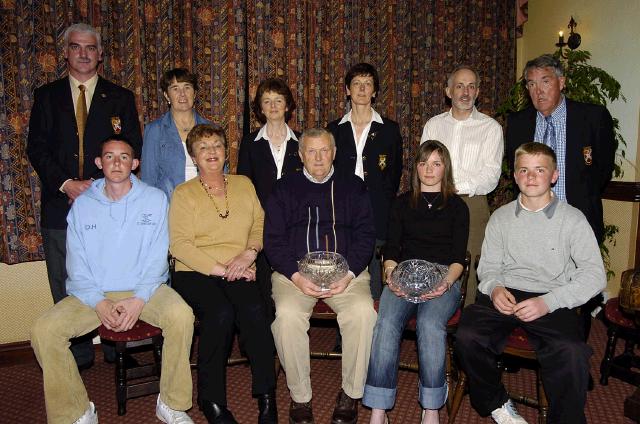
(431, 331)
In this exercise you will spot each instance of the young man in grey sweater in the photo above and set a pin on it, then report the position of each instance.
(540, 261)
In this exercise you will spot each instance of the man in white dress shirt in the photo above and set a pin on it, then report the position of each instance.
(476, 146)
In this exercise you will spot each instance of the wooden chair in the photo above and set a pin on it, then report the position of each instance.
(140, 380)
(452, 326)
(620, 325)
(517, 346)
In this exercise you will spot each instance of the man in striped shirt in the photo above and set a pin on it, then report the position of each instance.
(475, 144)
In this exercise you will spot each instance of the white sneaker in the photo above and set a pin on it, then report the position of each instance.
(171, 416)
(90, 416)
(507, 414)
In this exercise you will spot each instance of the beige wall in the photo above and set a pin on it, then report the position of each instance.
(610, 31)
(24, 295)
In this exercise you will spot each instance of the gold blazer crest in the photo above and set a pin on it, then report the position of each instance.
(587, 152)
(116, 124)
(382, 162)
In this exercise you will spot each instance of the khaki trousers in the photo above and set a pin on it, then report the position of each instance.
(356, 318)
(66, 398)
(478, 218)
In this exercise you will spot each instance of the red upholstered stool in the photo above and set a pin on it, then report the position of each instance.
(620, 325)
(141, 380)
(518, 346)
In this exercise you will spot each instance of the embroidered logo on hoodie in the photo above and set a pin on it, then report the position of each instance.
(146, 220)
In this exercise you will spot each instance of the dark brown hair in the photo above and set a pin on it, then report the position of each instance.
(120, 138)
(363, 70)
(278, 86)
(180, 75)
(201, 131)
(447, 187)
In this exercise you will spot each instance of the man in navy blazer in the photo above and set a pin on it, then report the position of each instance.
(584, 139)
(66, 168)
(581, 134)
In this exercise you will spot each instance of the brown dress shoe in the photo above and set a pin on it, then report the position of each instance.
(346, 411)
(300, 413)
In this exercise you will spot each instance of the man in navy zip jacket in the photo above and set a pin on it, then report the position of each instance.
(319, 209)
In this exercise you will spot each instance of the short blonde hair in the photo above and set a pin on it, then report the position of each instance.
(533, 148)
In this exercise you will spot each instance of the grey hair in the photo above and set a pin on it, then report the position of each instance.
(460, 68)
(544, 61)
(82, 27)
(316, 133)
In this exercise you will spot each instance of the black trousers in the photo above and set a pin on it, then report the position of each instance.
(560, 348)
(220, 306)
(263, 279)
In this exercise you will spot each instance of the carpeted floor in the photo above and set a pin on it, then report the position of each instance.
(22, 399)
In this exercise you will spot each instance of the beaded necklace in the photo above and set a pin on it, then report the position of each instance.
(206, 188)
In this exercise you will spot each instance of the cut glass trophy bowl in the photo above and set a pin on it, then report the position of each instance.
(323, 268)
(416, 277)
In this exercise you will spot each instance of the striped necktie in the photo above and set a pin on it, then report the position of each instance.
(81, 121)
(550, 134)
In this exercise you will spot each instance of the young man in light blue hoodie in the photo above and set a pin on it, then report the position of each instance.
(117, 244)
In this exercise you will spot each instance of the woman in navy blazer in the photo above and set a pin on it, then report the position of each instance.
(370, 146)
(270, 152)
(165, 163)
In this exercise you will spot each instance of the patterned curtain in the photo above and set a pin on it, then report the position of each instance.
(234, 44)
(141, 40)
(413, 44)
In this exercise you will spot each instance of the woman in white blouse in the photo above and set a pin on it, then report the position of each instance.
(271, 151)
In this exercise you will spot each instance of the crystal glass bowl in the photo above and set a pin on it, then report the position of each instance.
(323, 268)
(416, 277)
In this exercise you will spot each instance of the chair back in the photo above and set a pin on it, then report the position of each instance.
(464, 278)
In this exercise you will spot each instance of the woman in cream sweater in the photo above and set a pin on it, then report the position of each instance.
(215, 224)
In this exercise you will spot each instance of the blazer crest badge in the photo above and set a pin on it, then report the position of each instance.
(116, 124)
(382, 162)
(587, 152)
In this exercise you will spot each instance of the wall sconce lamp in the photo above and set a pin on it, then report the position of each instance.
(574, 38)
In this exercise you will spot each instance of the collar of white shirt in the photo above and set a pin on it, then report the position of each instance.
(375, 116)
(475, 115)
(263, 134)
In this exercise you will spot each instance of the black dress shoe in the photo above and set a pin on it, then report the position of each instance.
(267, 409)
(217, 414)
(300, 413)
(346, 410)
